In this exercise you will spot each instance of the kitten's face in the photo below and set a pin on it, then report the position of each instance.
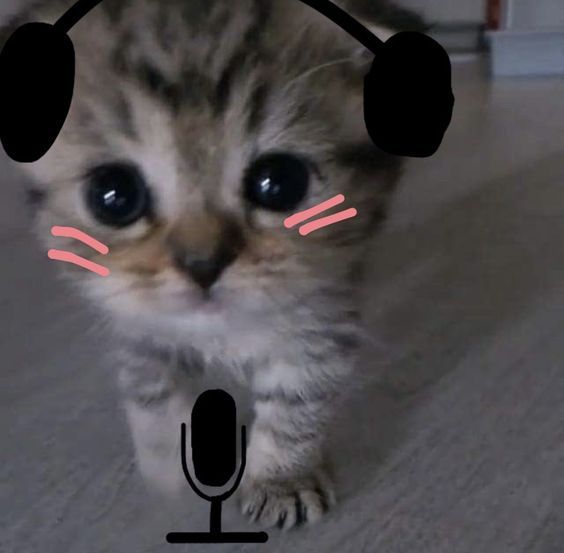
(178, 120)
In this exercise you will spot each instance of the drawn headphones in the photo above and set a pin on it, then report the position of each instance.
(408, 99)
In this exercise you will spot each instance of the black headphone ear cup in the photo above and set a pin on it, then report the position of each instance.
(37, 67)
(408, 98)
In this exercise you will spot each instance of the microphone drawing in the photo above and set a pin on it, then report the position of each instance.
(214, 456)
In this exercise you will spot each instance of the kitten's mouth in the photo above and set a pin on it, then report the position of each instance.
(206, 301)
(183, 302)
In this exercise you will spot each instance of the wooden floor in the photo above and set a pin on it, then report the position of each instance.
(456, 445)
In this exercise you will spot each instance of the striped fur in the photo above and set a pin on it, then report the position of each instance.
(191, 91)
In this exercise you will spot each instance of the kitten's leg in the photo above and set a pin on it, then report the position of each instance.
(158, 399)
(286, 482)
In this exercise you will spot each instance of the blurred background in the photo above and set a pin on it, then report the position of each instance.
(523, 37)
(455, 444)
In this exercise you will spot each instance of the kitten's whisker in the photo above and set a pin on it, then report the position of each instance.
(68, 257)
(329, 220)
(71, 232)
(302, 216)
(312, 70)
(127, 288)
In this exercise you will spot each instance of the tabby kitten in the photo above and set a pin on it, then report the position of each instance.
(197, 127)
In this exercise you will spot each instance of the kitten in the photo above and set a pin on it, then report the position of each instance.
(197, 127)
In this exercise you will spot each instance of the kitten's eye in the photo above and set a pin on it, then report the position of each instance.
(278, 182)
(117, 195)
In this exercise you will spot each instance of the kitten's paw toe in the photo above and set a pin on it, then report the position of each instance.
(287, 503)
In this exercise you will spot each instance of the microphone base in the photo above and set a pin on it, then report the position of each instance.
(220, 537)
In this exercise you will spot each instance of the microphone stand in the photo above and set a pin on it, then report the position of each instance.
(215, 535)
(216, 501)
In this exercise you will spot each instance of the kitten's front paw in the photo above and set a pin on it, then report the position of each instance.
(287, 503)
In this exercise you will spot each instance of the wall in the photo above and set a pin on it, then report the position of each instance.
(451, 11)
(437, 10)
(538, 14)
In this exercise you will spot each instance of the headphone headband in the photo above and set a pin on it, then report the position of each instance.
(75, 13)
(331, 11)
(408, 98)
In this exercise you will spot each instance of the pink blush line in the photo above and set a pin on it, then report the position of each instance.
(71, 232)
(302, 216)
(329, 220)
(59, 255)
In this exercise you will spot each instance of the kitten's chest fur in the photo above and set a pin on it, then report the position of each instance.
(217, 346)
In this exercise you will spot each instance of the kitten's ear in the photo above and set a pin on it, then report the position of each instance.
(384, 20)
(387, 15)
(363, 56)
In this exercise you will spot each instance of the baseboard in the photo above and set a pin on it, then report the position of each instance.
(522, 53)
